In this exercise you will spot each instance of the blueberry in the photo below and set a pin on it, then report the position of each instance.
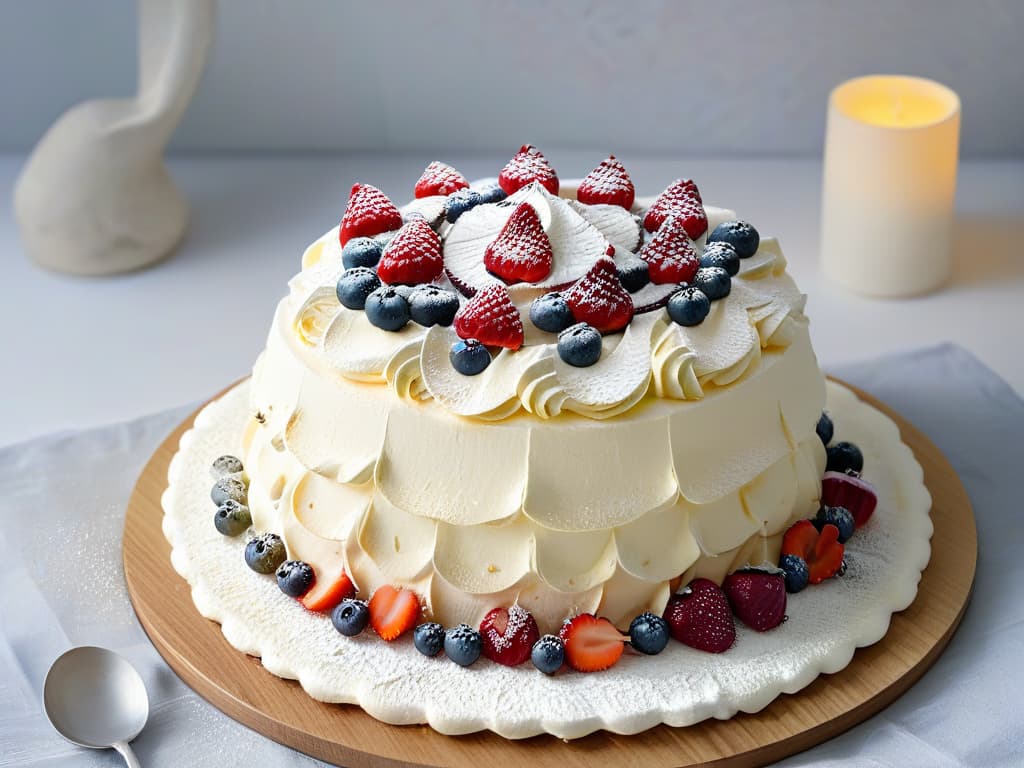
(721, 254)
(265, 553)
(469, 357)
(551, 313)
(232, 518)
(355, 285)
(580, 345)
(429, 638)
(361, 252)
(350, 616)
(648, 633)
(634, 273)
(548, 654)
(462, 644)
(225, 465)
(825, 429)
(740, 235)
(387, 309)
(714, 281)
(689, 306)
(840, 517)
(843, 456)
(432, 305)
(229, 487)
(405, 291)
(795, 570)
(460, 202)
(295, 577)
(492, 194)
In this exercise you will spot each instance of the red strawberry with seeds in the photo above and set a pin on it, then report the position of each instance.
(839, 489)
(393, 611)
(680, 200)
(591, 643)
(326, 594)
(509, 635)
(439, 179)
(821, 551)
(491, 318)
(527, 166)
(369, 213)
(609, 184)
(413, 256)
(521, 253)
(599, 299)
(670, 255)
(700, 617)
(758, 598)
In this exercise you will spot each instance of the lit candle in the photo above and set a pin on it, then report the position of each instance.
(889, 184)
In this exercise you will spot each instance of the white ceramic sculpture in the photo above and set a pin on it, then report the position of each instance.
(95, 196)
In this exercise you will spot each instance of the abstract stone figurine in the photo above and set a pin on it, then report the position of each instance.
(95, 196)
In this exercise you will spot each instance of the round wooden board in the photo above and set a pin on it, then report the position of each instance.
(345, 735)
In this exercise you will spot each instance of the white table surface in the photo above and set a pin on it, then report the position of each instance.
(81, 352)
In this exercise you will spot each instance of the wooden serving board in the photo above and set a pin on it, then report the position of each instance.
(345, 735)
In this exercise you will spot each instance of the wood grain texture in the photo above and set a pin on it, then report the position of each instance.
(279, 709)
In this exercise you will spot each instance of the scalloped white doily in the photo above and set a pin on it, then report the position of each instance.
(681, 686)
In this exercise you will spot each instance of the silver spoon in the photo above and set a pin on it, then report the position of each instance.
(96, 699)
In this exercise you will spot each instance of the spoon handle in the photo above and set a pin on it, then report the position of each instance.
(126, 752)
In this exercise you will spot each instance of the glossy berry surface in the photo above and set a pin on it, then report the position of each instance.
(840, 517)
(225, 465)
(492, 194)
(355, 285)
(508, 634)
(843, 456)
(429, 638)
(387, 309)
(689, 306)
(548, 654)
(463, 645)
(634, 273)
(265, 553)
(721, 254)
(460, 202)
(551, 313)
(232, 518)
(361, 252)
(580, 345)
(795, 571)
(713, 281)
(469, 357)
(825, 429)
(649, 633)
(740, 235)
(350, 617)
(294, 577)
(229, 487)
(432, 305)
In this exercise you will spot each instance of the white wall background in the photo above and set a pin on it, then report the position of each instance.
(698, 78)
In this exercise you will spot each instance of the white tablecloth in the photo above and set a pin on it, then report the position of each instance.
(62, 502)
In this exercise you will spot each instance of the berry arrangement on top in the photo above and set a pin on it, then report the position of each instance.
(395, 266)
(701, 615)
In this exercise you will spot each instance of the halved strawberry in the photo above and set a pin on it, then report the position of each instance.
(509, 635)
(369, 213)
(609, 184)
(326, 593)
(491, 318)
(599, 299)
(394, 611)
(527, 166)
(839, 489)
(821, 551)
(670, 255)
(591, 643)
(680, 200)
(757, 597)
(439, 179)
(413, 256)
(521, 253)
(700, 617)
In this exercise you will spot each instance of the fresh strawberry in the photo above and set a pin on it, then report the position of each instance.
(591, 643)
(758, 598)
(670, 255)
(599, 299)
(509, 635)
(413, 256)
(821, 551)
(326, 593)
(491, 318)
(839, 489)
(521, 253)
(609, 184)
(680, 200)
(439, 179)
(369, 213)
(699, 617)
(527, 166)
(393, 611)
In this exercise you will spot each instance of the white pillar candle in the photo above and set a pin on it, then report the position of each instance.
(889, 184)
